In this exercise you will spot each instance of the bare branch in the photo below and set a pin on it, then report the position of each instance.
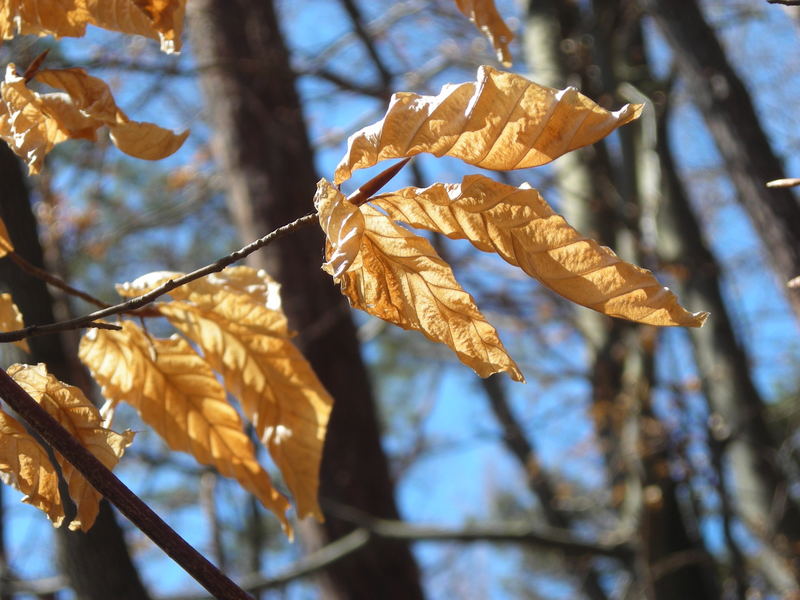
(53, 280)
(140, 301)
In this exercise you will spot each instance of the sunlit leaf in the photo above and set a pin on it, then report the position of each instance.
(520, 226)
(25, 465)
(398, 277)
(11, 319)
(486, 18)
(235, 317)
(70, 407)
(176, 393)
(158, 19)
(32, 123)
(343, 225)
(501, 121)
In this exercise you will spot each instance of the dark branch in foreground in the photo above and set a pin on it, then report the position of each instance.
(128, 503)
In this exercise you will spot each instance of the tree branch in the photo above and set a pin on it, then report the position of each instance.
(372, 528)
(140, 301)
(105, 482)
(53, 280)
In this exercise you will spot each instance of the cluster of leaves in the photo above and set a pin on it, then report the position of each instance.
(501, 121)
(233, 337)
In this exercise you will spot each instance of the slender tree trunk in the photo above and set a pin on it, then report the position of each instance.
(262, 145)
(605, 204)
(97, 563)
(760, 492)
(726, 106)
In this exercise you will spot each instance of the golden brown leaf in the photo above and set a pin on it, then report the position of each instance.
(33, 123)
(25, 465)
(520, 226)
(11, 319)
(93, 98)
(235, 317)
(398, 277)
(59, 18)
(483, 13)
(68, 405)
(5, 240)
(343, 225)
(501, 121)
(176, 393)
(158, 19)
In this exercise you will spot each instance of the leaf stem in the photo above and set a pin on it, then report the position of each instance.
(129, 504)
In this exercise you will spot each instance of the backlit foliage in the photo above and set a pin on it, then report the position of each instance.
(232, 337)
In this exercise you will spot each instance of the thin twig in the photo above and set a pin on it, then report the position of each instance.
(140, 301)
(362, 194)
(105, 482)
(53, 280)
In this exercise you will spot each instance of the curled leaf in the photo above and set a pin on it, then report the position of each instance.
(520, 226)
(398, 277)
(343, 225)
(70, 407)
(32, 123)
(25, 465)
(176, 393)
(501, 121)
(11, 319)
(483, 13)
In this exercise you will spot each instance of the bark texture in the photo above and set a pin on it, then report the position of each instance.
(262, 146)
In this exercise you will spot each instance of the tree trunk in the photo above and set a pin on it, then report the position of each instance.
(736, 405)
(97, 563)
(262, 146)
(728, 111)
(605, 204)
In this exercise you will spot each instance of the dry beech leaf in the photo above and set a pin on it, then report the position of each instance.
(176, 393)
(158, 19)
(93, 98)
(11, 319)
(70, 407)
(32, 123)
(398, 277)
(5, 240)
(520, 226)
(483, 13)
(235, 317)
(25, 465)
(343, 225)
(501, 121)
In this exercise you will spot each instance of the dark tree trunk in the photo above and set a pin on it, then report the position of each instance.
(262, 146)
(96, 563)
(725, 104)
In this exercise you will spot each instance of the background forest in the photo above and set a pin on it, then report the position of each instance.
(636, 462)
